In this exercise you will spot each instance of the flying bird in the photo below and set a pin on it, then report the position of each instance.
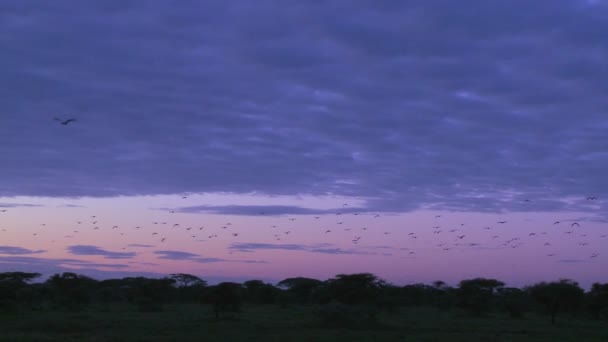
(65, 122)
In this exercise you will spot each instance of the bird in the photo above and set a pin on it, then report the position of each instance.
(556, 222)
(461, 237)
(502, 222)
(575, 224)
(65, 122)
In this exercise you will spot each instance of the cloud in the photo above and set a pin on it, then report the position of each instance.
(18, 250)
(572, 261)
(175, 255)
(50, 263)
(264, 210)
(180, 255)
(71, 206)
(140, 245)
(94, 250)
(322, 248)
(19, 205)
(406, 104)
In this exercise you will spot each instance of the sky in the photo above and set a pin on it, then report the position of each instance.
(269, 139)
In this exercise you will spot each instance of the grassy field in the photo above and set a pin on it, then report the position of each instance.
(272, 323)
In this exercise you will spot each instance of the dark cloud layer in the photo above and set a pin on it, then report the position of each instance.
(266, 210)
(322, 248)
(406, 103)
(17, 205)
(180, 255)
(94, 250)
(33, 262)
(18, 250)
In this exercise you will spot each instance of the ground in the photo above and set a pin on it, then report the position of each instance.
(272, 323)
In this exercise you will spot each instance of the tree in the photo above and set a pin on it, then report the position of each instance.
(14, 289)
(515, 301)
(355, 288)
(225, 297)
(597, 300)
(561, 296)
(149, 294)
(259, 292)
(71, 290)
(300, 289)
(476, 294)
(189, 287)
(185, 280)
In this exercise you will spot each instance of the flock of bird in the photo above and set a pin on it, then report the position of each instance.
(442, 235)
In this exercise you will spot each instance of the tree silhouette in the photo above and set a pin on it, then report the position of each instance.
(561, 296)
(515, 301)
(71, 290)
(300, 289)
(476, 294)
(14, 289)
(597, 300)
(225, 297)
(185, 280)
(257, 291)
(189, 287)
(355, 288)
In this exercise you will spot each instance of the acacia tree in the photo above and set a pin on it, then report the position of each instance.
(476, 294)
(259, 292)
(71, 290)
(299, 288)
(597, 300)
(14, 288)
(559, 296)
(225, 297)
(185, 280)
(515, 301)
(189, 287)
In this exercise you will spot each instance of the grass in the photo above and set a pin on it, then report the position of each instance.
(185, 322)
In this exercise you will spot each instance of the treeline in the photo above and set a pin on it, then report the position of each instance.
(344, 299)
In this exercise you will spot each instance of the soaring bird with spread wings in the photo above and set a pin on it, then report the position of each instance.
(65, 122)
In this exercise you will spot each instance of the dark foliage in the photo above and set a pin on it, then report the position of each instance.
(560, 296)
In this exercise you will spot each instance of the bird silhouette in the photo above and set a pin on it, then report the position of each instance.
(65, 122)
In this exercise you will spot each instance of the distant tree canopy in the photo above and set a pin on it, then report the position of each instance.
(225, 297)
(355, 288)
(256, 291)
(597, 300)
(476, 294)
(300, 288)
(560, 296)
(185, 280)
(346, 300)
(14, 288)
(20, 278)
(71, 290)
